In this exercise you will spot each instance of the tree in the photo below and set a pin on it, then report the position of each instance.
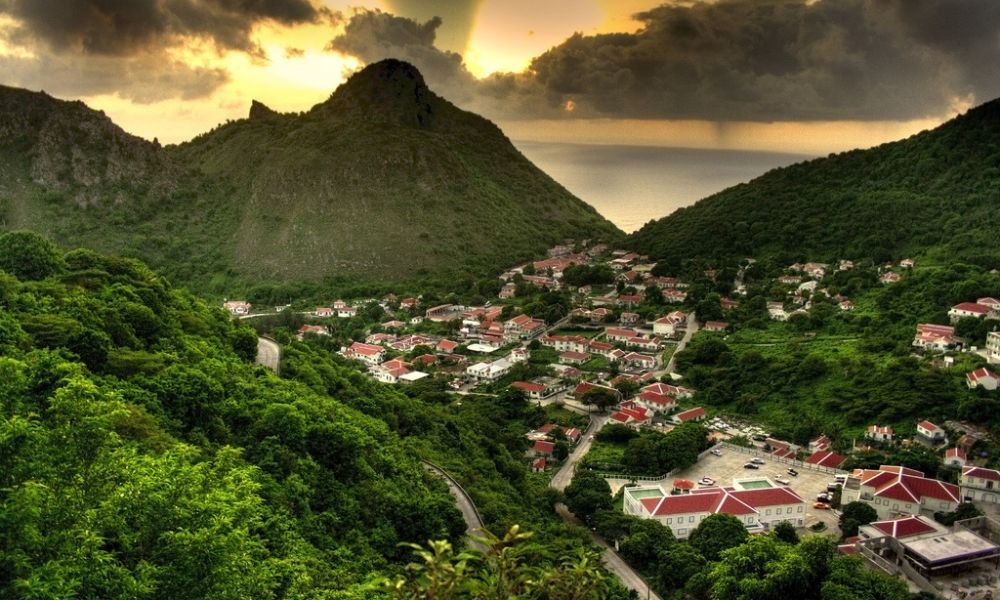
(646, 541)
(785, 532)
(587, 494)
(601, 398)
(29, 256)
(561, 450)
(854, 515)
(716, 533)
(678, 564)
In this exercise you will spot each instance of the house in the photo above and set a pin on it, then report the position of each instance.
(489, 371)
(522, 327)
(820, 443)
(442, 313)
(585, 290)
(968, 309)
(616, 334)
(628, 318)
(629, 299)
(980, 484)
(669, 324)
(602, 348)
(879, 434)
(631, 414)
(346, 312)
(541, 281)
(826, 458)
(758, 509)
(237, 307)
(538, 465)
(573, 358)
(379, 338)
(447, 346)
(656, 402)
(508, 290)
(518, 355)
(901, 528)
(715, 326)
(930, 432)
(388, 375)
(674, 295)
(906, 263)
(776, 310)
(667, 389)
(543, 448)
(982, 377)
(993, 347)
(563, 343)
(407, 303)
(426, 359)
(599, 315)
(314, 329)
(394, 324)
(894, 490)
(323, 311)
(639, 361)
(534, 391)
(572, 434)
(889, 277)
(651, 344)
(955, 458)
(728, 304)
(935, 337)
(845, 265)
(690, 415)
(846, 305)
(366, 353)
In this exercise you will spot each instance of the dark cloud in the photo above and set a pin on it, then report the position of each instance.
(756, 60)
(372, 35)
(124, 27)
(143, 78)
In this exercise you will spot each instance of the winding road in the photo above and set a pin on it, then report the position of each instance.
(473, 521)
(268, 354)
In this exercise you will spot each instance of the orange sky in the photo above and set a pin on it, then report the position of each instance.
(491, 35)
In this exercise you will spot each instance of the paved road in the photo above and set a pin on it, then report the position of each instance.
(268, 354)
(613, 562)
(473, 522)
(692, 328)
(565, 474)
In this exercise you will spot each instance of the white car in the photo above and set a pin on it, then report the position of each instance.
(716, 452)
(706, 481)
(782, 481)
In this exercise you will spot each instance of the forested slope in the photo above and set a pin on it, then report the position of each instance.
(936, 193)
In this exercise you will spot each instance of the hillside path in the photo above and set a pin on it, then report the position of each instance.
(268, 354)
(473, 521)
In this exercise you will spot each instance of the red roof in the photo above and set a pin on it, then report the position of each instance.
(571, 355)
(776, 496)
(528, 386)
(955, 453)
(982, 473)
(683, 484)
(981, 373)
(657, 399)
(447, 345)
(935, 329)
(925, 424)
(365, 349)
(543, 447)
(908, 485)
(572, 433)
(904, 527)
(539, 463)
(825, 458)
(973, 308)
(693, 413)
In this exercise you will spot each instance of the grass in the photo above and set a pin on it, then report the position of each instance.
(604, 453)
(566, 418)
(586, 333)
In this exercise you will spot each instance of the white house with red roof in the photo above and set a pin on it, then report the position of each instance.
(758, 509)
(715, 326)
(993, 303)
(826, 458)
(930, 336)
(532, 390)
(538, 465)
(442, 312)
(508, 290)
(628, 318)
(930, 432)
(237, 307)
(618, 334)
(656, 402)
(564, 343)
(314, 329)
(879, 433)
(980, 484)
(542, 448)
(639, 361)
(389, 374)
(366, 353)
(982, 377)
(955, 458)
(968, 309)
(820, 443)
(674, 295)
(667, 389)
(570, 357)
(690, 415)
(522, 327)
(889, 277)
(669, 324)
(893, 490)
(632, 414)
(323, 311)
(585, 386)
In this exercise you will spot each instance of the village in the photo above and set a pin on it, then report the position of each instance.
(610, 359)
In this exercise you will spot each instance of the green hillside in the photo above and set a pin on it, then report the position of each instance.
(383, 181)
(935, 194)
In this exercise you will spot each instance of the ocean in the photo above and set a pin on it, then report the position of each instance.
(631, 185)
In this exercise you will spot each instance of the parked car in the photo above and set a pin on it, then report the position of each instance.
(716, 452)
(706, 481)
(824, 497)
(750, 465)
(832, 487)
(782, 481)
(793, 472)
(821, 505)
(757, 461)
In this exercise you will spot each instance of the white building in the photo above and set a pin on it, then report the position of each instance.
(980, 485)
(758, 509)
(993, 347)
(893, 491)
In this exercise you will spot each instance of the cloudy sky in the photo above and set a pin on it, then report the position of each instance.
(794, 76)
(808, 76)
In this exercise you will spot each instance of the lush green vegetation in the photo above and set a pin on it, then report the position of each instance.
(143, 455)
(834, 372)
(933, 195)
(365, 187)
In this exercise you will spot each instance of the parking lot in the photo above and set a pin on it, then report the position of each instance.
(729, 466)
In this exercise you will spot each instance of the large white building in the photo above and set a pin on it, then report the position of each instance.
(993, 347)
(758, 509)
(893, 491)
(980, 485)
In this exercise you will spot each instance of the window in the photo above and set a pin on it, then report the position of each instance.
(895, 507)
(800, 510)
(667, 520)
(691, 519)
(767, 512)
(682, 532)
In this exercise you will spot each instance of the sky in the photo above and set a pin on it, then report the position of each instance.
(785, 76)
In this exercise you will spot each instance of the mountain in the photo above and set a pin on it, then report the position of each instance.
(935, 194)
(385, 180)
